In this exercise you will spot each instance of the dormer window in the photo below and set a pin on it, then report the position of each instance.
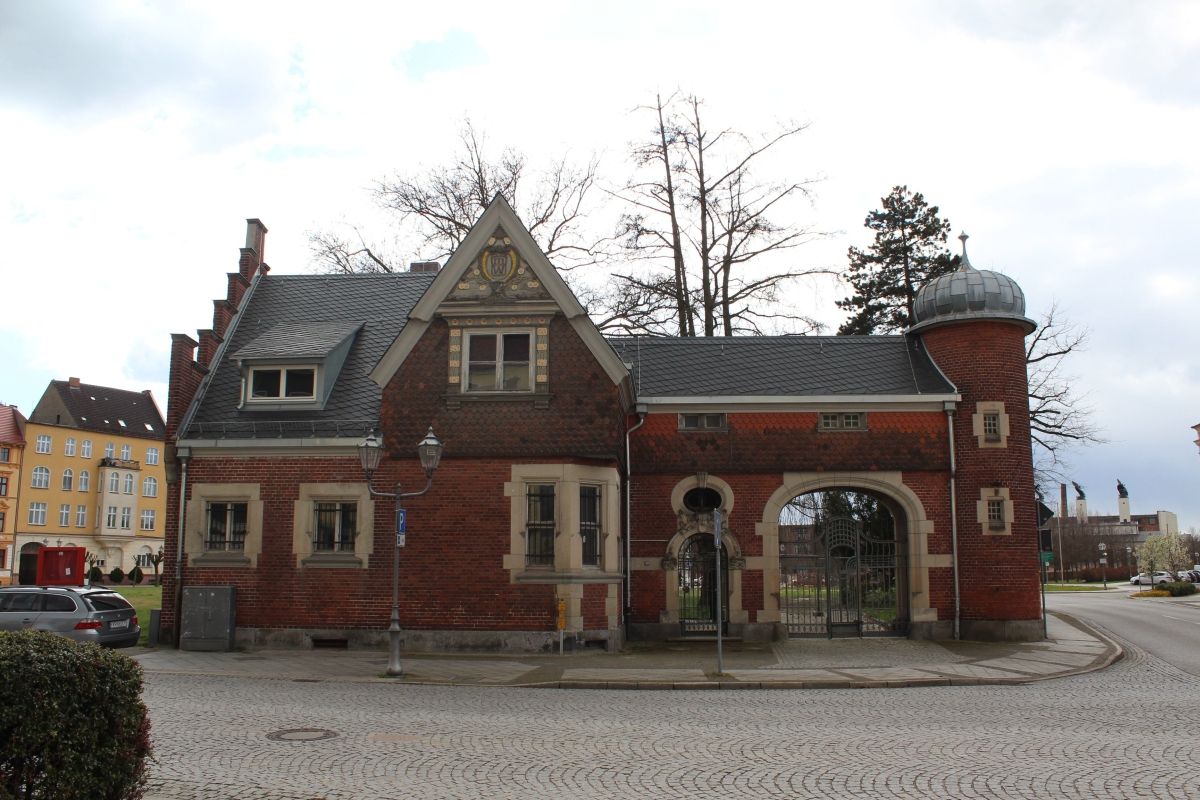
(282, 383)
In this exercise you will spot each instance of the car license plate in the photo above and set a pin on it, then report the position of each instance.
(119, 623)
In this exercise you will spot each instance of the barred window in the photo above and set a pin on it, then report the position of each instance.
(539, 530)
(226, 527)
(589, 524)
(336, 526)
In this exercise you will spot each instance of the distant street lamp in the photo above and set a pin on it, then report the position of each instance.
(370, 451)
(1104, 563)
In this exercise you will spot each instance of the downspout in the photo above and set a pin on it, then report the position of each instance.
(183, 459)
(641, 412)
(953, 520)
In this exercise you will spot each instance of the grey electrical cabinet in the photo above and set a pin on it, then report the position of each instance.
(208, 618)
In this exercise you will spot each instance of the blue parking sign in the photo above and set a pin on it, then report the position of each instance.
(401, 520)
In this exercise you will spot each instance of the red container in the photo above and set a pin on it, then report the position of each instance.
(61, 566)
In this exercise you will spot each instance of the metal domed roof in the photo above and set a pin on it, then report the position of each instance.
(969, 294)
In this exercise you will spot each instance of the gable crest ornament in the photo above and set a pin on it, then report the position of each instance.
(498, 262)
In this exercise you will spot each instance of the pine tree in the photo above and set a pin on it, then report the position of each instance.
(909, 250)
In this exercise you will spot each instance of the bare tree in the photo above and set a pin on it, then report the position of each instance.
(697, 213)
(1059, 417)
(439, 206)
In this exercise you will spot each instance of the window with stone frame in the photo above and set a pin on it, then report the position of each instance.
(995, 514)
(3, 486)
(994, 511)
(335, 527)
(589, 524)
(226, 527)
(540, 525)
(990, 424)
(498, 361)
(991, 427)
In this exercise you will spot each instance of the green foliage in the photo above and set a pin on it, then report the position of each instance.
(1180, 588)
(117, 575)
(136, 575)
(95, 574)
(909, 250)
(72, 722)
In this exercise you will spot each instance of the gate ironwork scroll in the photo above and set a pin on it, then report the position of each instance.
(697, 570)
(839, 577)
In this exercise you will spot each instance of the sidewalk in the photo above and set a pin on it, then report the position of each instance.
(1071, 648)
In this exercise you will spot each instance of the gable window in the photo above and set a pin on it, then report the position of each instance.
(67, 479)
(850, 421)
(43, 443)
(152, 455)
(702, 422)
(69, 447)
(85, 480)
(85, 449)
(41, 478)
(150, 486)
(589, 524)
(499, 362)
(283, 383)
(226, 527)
(336, 526)
(539, 526)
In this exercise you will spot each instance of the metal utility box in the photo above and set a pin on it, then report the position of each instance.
(60, 566)
(208, 618)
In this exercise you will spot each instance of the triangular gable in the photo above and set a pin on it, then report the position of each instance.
(449, 286)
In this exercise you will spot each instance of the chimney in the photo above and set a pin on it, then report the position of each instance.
(1062, 500)
(73, 383)
(252, 253)
(424, 266)
(1081, 509)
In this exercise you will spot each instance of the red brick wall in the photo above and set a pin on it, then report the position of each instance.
(594, 597)
(999, 574)
(583, 419)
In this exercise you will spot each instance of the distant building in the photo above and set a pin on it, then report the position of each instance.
(1122, 532)
(92, 477)
(12, 447)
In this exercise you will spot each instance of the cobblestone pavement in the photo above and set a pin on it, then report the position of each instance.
(1124, 732)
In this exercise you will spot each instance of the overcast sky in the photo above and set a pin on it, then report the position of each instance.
(1064, 137)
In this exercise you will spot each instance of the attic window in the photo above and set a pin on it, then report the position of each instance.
(853, 421)
(283, 383)
(702, 422)
(149, 427)
(121, 422)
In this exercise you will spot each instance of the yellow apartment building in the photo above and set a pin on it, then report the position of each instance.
(12, 446)
(92, 476)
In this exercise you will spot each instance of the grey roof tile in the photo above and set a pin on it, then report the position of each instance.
(313, 309)
(299, 339)
(784, 366)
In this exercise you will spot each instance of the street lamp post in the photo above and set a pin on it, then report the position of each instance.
(1104, 563)
(370, 451)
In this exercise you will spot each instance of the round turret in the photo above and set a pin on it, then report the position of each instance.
(969, 294)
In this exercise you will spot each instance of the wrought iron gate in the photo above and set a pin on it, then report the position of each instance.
(697, 566)
(838, 577)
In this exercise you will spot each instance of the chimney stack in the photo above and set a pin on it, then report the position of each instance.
(73, 382)
(252, 253)
(424, 266)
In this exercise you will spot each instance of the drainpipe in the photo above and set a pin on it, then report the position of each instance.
(183, 459)
(953, 519)
(641, 412)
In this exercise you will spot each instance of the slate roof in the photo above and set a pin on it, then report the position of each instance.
(779, 366)
(298, 340)
(100, 408)
(295, 314)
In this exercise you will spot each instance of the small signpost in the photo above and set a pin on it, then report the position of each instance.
(1104, 563)
(401, 526)
(717, 515)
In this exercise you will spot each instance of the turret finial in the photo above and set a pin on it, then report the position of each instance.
(965, 265)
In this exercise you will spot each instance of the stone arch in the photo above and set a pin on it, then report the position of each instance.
(890, 487)
(689, 525)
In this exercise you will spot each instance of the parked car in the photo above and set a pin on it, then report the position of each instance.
(85, 614)
(1190, 575)
(1158, 579)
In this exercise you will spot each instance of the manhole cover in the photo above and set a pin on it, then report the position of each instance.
(301, 735)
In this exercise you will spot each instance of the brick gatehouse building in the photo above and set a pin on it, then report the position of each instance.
(874, 485)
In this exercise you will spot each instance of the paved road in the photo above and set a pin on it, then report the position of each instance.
(1167, 628)
(1070, 737)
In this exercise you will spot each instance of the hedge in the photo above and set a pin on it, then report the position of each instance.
(72, 722)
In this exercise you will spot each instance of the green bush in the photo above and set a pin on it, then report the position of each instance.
(1180, 588)
(72, 722)
(117, 575)
(95, 575)
(136, 575)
